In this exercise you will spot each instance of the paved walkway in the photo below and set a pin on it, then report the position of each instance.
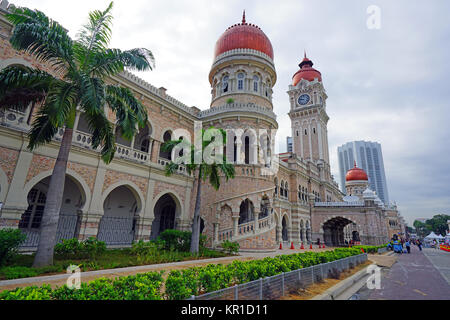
(416, 276)
(61, 279)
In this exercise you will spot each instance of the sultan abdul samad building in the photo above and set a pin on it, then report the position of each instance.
(132, 199)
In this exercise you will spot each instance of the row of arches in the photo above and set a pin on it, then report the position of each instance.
(122, 212)
(242, 81)
(284, 226)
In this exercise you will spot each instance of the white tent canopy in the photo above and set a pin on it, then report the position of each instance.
(441, 237)
(432, 236)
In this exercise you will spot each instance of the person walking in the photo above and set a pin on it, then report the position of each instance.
(408, 246)
(419, 244)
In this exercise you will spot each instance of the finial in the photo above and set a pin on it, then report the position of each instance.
(355, 163)
(305, 53)
(243, 18)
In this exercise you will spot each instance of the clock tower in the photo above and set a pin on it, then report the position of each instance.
(308, 115)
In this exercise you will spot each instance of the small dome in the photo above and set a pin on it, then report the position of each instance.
(306, 72)
(369, 194)
(356, 174)
(244, 36)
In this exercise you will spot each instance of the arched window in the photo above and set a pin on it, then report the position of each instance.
(282, 188)
(225, 84)
(276, 186)
(247, 150)
(256, 83)
(235, 150)
(246, 212)
(286, 190)
(166, 155)
(240, 85)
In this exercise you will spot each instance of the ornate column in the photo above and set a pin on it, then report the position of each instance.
(216, 233)
(155, 151)
(280, 234)
(89, 225)
(235, 218)
(143, 228)
(256, 226)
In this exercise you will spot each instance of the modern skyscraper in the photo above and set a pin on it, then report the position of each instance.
(369, 157)
(289, 144)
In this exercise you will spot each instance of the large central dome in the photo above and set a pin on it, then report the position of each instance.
(244, 36)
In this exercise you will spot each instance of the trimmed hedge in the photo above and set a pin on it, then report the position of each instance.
(180, 284)
(199, 280)
(370, 249)
(145, 286)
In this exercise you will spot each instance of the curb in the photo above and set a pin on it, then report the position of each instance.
(335, 291)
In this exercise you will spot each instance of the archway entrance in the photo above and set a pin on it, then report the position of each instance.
(118, 223)
(334, 231)
(165, 215)
(284, 230)
(30, 223)
(246, 212)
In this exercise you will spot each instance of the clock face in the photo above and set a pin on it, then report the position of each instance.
(303, 99)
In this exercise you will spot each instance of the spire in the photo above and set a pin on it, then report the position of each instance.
(243, 18)
(305, 53)
(355, 164)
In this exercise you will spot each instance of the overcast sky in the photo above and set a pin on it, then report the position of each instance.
(389, 85)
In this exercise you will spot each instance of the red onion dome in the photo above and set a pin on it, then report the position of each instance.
(356, 174)
(244, 36)
(306, 72)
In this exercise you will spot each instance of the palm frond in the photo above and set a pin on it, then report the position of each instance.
(102, 132)
(20, 86)
(171, 168)
(129, 111)
(92, 92)
(42, 129)
(96, 34)
(41, 37)
(62, 98)
(113, 61)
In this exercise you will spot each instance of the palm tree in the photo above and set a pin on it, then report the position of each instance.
(79, 80)
(205, 171)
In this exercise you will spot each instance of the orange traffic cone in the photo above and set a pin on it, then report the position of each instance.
(362, 250)
(281, 246)
(310, 246)
(292, 246)
(302, 247)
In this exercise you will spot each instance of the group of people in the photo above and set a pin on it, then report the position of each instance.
(400, 244)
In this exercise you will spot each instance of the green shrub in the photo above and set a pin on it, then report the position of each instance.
(72, 248)
(145, 286)
(176, 240)
(230, 247)
(199, 280)
(179, 240)
(18, 272)
(10, 240)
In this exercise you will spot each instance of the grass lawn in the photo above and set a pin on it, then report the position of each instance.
(20, 265)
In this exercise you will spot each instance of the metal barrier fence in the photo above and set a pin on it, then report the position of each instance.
(275, 287)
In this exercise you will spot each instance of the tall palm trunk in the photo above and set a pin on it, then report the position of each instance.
(49, 225)
(195, 239)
